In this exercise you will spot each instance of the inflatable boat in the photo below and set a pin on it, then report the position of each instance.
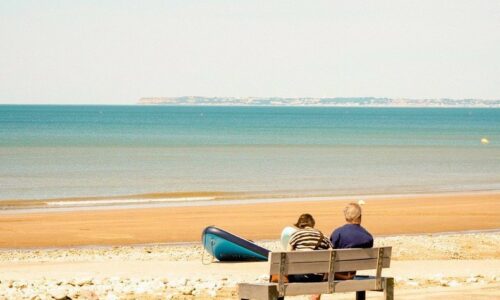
(226, 246)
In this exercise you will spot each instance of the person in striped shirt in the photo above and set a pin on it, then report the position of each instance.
(307, 238)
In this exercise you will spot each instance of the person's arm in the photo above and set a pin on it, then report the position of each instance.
(292, 242)
(334, 239)
(328, 242)
(370, 242)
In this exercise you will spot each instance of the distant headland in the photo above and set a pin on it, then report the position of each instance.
(319, 102)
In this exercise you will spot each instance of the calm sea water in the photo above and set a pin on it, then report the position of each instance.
(64, 151)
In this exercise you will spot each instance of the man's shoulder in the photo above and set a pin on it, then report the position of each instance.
(350, 228)
(367, 231)
(337, 231)
(341, 228)
(361, 228)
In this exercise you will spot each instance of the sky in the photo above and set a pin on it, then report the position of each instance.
(115, 52)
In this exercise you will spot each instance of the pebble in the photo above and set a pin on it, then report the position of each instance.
(59, 294)
(472, 280)
(83, 281)
(453, 283)
(10, 284)
(188, 290)
(19, 285)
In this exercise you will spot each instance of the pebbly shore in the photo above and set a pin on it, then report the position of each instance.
(193, 275)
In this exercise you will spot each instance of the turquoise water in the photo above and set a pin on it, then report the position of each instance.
(65, 151)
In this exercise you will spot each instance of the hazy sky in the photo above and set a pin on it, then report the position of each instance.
(118, 51)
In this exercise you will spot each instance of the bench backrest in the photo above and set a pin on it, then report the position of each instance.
(329, 262)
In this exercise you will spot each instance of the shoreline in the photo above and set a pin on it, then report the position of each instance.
(189, 199)
(259, 221)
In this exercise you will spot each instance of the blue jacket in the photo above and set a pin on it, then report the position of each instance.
(351, 236)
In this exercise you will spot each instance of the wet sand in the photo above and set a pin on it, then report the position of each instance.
(405, 215)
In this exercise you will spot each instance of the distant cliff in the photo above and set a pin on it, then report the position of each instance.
(342, 102)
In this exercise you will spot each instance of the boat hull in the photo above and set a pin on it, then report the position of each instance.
(225, 246)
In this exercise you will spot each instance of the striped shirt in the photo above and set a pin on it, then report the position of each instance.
(307, 239)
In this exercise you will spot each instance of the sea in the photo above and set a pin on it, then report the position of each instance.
(56, 151)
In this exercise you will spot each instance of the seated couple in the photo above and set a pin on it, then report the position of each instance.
(350, 235)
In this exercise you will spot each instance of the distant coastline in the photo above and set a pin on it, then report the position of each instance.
(321, 102)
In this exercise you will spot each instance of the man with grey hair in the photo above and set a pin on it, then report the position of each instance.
(351, 235)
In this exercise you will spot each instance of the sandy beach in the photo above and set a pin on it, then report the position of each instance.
(156, 253)
(405, 215)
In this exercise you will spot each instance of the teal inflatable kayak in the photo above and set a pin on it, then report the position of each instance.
(226, 246)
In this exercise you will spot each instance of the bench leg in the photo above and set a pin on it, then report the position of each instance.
(389, 289)
(361, 295)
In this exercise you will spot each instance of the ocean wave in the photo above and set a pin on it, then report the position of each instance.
(123, 201)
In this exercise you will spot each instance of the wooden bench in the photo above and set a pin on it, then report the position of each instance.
(324, 261)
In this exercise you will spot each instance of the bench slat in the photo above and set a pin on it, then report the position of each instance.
(264, 290)
(294, 289)
(355, 285)
(324, 267)
(324, 255)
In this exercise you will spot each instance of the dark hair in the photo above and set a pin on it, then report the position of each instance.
(305, 220)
